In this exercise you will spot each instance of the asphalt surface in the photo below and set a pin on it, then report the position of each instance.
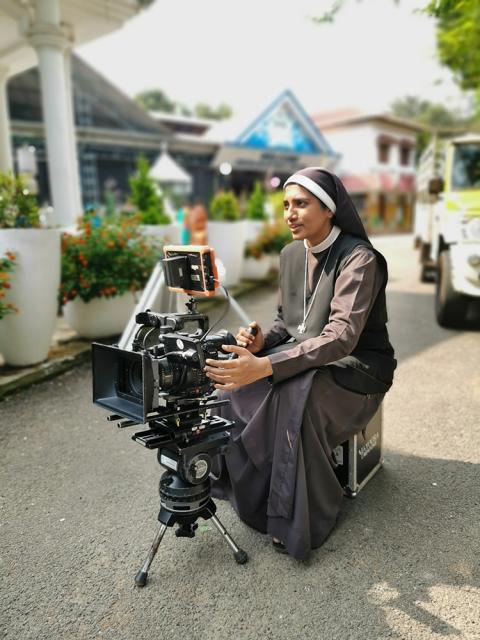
(79, 507)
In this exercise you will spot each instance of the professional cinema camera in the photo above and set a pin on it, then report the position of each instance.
(160, 382)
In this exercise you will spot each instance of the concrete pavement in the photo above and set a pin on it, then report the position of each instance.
(79, 503)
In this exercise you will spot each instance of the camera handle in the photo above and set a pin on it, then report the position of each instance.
(156, 295)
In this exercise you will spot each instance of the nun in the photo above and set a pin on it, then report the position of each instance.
(314, 378)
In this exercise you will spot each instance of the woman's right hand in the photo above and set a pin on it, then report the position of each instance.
(253, 343)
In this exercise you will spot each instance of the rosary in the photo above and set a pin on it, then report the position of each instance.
(302, 327)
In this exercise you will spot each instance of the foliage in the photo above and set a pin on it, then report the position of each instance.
(144, 195)
(104, 261)
(431, 114)
(256, 203)
(224, 207)
(155, 100)
(275, 199)
(458, 38)
(271, 240)
(7, 264)
(221, 112)
(18, 206)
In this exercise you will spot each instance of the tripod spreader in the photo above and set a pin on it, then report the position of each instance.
(187, 527)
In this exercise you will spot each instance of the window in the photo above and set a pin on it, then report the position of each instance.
(404, 156)
(384, 143)
(383, 152)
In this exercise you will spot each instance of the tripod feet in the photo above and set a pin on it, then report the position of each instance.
(142, 575)
(241, 556)
(141, 578)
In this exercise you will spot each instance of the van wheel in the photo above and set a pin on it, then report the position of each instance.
(450, 306)
(428, 273)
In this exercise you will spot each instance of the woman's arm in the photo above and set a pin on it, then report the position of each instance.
(356, 289)
(278, 333)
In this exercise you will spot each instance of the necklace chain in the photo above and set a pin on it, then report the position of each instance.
(302, 327)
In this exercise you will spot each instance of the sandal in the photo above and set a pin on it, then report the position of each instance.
(279, 546)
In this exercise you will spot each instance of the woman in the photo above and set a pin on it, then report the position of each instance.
(315, 378)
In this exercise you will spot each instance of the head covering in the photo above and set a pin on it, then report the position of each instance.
(328, 188)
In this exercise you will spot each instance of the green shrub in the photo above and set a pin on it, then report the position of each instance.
(276, 202)
(271, 240)
(256, 203)
(104, 261)
(224, 207)
(18, 206)
(144, 195)
(7, 264)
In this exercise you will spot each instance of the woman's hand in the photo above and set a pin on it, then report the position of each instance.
(231, 374)
(254, 343)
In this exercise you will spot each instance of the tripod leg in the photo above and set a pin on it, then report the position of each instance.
(240, 555)
(142, 575)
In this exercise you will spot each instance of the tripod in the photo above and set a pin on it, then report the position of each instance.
(185, 490)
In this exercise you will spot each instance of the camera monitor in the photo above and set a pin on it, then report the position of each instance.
(190, 269)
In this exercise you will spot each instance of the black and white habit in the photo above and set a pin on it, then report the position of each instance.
(327, 381)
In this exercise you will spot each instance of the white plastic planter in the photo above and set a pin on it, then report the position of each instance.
(101, 317)
(253, 229)
(256, 269)
(228, 240)
(162, 233)
(26, 336)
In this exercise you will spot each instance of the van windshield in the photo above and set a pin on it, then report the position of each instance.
(466, 166)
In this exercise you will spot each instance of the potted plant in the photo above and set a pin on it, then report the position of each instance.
(148, 202)
(25, 337)
(256, 263)
(272, 239)
(226, 234)
(255, 212)
(7, 264)
(103, 267)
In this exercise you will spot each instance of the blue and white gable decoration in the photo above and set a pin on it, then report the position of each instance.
(284, 126)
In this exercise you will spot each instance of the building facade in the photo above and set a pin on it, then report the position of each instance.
(377, 165)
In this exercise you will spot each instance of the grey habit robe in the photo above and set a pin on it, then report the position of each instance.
(279, 470)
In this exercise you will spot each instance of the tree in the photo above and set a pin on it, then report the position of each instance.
(222, 112)
(431, 114)
(256, 203)
(145, 197)
(426, 112)
(458, 38)
(155, 100)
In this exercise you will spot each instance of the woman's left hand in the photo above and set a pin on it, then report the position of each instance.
(231, 374)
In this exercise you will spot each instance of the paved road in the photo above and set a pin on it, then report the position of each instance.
(79, 503)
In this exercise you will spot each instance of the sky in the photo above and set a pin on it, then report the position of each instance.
(245, 53)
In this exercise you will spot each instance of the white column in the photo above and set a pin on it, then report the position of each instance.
(6, 162)
(71, 107)
(51, 41)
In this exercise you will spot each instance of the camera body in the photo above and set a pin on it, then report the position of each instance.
(164, 366)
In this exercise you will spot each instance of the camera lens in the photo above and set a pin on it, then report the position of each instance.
(134, 379)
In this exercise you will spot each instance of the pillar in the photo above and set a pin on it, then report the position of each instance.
(51, 42)
(6, 161)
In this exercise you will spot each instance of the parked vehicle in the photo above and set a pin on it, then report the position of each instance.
(447, 223)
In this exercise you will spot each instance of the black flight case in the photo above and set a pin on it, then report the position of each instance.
(360, 457)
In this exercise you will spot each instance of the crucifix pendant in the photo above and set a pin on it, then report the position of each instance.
(301, 328)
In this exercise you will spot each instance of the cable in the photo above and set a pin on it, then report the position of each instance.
(227, 308)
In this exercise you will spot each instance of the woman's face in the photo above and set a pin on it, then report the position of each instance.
(305, 216)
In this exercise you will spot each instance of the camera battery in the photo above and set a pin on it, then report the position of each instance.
(360, 457)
